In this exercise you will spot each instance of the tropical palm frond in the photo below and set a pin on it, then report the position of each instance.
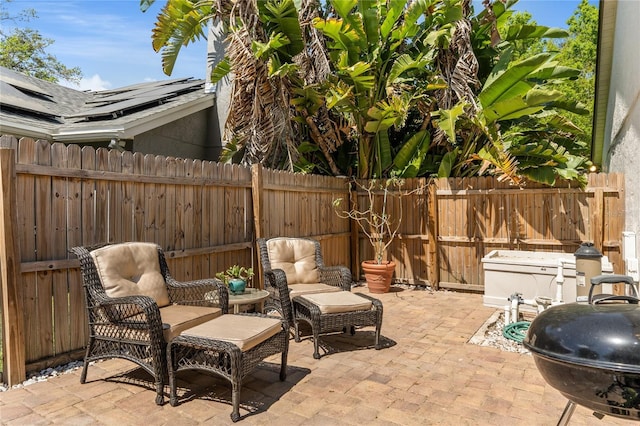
(179, 23)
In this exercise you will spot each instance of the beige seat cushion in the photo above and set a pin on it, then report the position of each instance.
(243, 331)
(334, 303)
(131, 269)
(302, 289)
(296, 257)
(178, 318)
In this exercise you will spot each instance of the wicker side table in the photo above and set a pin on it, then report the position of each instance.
(231, 353)
(327, 322)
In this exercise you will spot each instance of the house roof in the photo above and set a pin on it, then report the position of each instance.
(36, 108)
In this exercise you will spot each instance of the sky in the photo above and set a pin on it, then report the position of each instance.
(110, 40)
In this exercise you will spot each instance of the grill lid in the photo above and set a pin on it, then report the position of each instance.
(599, 335)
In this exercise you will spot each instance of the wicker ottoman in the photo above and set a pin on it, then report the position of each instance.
(336, 311)
(229, 346)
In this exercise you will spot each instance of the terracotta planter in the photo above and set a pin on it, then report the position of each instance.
(378, 277)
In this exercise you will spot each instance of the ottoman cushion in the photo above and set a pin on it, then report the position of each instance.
(177, 318)
(242, 330)
(302, 289)
(338, 302)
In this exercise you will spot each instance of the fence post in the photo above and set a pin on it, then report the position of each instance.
(13, 341)
(433, 267)
(355, 234)
(257, 190)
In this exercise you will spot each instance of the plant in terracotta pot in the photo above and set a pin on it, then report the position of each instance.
(378, 225)
(236, 277)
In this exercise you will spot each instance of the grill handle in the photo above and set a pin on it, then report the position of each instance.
(612, 279)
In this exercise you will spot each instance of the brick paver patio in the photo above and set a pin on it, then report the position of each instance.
(428, 374)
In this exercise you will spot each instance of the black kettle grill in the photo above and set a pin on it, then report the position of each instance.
(590, 352)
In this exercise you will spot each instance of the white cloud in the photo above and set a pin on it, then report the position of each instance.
(94, 83)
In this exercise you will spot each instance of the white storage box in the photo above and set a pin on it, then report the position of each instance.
(529, 273)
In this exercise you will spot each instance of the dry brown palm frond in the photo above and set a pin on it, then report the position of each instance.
(458, 66)
(258, 117)
(315, 66)
(314, 59)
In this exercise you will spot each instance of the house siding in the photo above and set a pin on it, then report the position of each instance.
(622, 131)
(188, 137)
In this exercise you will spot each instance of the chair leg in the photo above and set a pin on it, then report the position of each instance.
(235, 399)
(315, 329)
(378, 327)
(83, 376)
(85, 365)
(297, 331)
(159, 392)
(283, 367)
(173, 394)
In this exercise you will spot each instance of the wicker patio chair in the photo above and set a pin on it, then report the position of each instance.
(135, 307)
(293, 267)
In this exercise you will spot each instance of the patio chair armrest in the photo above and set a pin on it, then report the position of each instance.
(337, 276)
(136, 312)
(197, 292)
(275, 282)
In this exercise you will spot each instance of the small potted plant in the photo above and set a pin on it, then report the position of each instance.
(236, 277)
(378, 225)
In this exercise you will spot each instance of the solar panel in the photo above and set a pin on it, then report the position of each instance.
(18, 80)
(12, 97)
(156, 90)
(126, 101)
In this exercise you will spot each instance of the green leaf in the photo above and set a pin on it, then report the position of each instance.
(343, 36)
(522, 32)
(359, 76)
(394, 11)
(552, 71)
(493, 91)
(403, 64)
(386, 114)
(179, 23)
(281, 70)
(343, 7)
(572, 106)
(500, 66)
(281, 17)
(220, 71)
(542, 174)
(408, 161)
(370, 20)
(447, 163)
(448, 119)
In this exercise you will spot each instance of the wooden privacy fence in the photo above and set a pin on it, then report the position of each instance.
(199, 212)
(477, 215)
(206, 217)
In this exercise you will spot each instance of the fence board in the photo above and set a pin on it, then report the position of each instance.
(61, 314)
(77, 319)
(43, 338)
(25, 198)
